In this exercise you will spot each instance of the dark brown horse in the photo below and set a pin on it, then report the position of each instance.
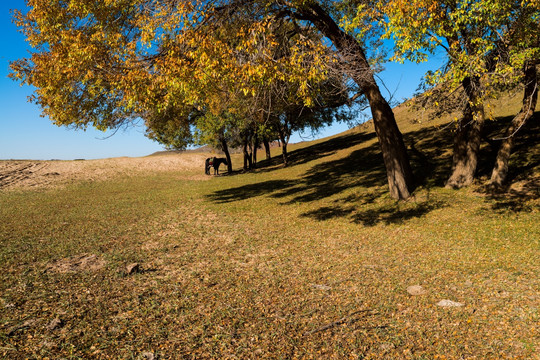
(214, 162)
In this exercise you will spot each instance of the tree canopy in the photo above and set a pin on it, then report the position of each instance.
(105, 63)
(487, 44)
(211, 71)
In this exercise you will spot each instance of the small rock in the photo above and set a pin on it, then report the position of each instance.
(449, 303)
(133, 268)
(56, 323)
(387, 346)
(147, 355)
(416, 290)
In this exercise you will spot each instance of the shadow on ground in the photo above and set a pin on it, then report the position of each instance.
(317, 151)
(524, 171)
(430, 154)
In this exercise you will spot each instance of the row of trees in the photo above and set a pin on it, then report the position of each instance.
(242, 73)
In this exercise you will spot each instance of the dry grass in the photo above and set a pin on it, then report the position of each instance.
(28, 174)
(312, 261)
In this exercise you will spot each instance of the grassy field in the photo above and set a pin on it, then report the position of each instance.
(312, 261)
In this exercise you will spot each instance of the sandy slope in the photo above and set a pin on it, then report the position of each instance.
(15, 174)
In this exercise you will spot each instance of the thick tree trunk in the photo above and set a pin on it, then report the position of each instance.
(396, 161)
(398, 169)
(530, 98)
(225, 149)
(467, 139)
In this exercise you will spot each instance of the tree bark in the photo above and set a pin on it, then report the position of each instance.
(256, 145)
(225, 149)
(267, 148)
(468, 138)
(398, 169)
(530, 99)
(283, 139)
(247, 155)
(396, 160)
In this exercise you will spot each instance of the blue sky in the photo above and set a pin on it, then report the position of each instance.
(24, 134)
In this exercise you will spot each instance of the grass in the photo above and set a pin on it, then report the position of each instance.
(311, 261)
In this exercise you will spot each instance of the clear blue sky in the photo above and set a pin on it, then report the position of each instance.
(24, 134)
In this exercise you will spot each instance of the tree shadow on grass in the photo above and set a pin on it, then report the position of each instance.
(251, 190)
(316, 151)
(516, 199)
(523, 183)
(430, 155)
(362, 169)
(389, 214)
(431, 160)
(329, 147)
(397, 214)
(430, 151)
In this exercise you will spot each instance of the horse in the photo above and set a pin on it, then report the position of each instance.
(214, 162)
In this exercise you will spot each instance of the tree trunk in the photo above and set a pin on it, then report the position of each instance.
(396, 160)
(285, 154)
(250, 154)
(244, 152)
(283, 140)
(267, 148)
(530, 98)
(398, 169)
(256, 145)
(225, 149)
(247, 156)
(468, 138)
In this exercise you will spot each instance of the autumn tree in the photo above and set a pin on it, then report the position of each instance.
(521, 53)
(172, 127)
(530, 99)
(333, 103)
(278, 104)
(105, 63)
(350, 41)
(471, 33)
(353, 59)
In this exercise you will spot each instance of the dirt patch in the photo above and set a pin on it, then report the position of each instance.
(16, 174)
(84, 262)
